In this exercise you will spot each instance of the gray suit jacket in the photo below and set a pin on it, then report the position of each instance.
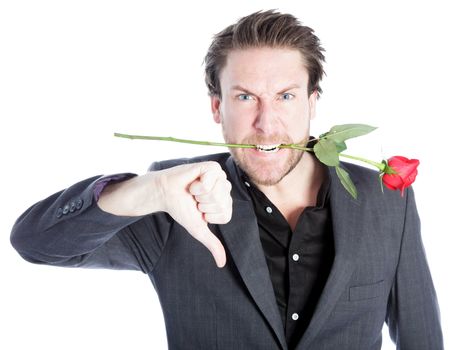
(379, 273)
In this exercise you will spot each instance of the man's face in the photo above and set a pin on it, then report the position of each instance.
(265, 102)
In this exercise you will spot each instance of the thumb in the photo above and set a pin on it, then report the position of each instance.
(202, 233)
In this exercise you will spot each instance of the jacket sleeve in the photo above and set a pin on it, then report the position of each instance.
(69, 229)
(413, 316)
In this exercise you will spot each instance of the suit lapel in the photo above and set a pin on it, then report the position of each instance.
(242, 239)
(346, 219)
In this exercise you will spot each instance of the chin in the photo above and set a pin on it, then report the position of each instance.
(266, 180)
(271, 177)
(267, 172)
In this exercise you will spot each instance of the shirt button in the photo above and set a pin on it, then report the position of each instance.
(295, 257)
(295, 316)
(246, 183)
(269, 210)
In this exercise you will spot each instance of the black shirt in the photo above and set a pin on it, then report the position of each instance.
(299, 262)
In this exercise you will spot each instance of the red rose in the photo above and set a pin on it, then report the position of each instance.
(403, 173)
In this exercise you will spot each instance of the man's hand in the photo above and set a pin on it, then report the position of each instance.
(193, 194)
(197, 194)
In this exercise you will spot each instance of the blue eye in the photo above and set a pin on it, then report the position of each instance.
(244, 97)
(287, 96)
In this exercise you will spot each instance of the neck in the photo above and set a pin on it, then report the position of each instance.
(298, 189)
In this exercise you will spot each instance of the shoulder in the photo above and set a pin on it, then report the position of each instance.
(383, 214)
(370, 189)
(220, 158)
(367, 179)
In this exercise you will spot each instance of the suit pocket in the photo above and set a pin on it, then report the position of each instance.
(366, 291)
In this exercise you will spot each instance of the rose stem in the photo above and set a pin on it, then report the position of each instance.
(206, 143)
(380, 166)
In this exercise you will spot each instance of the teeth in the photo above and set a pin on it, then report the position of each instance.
(268, 148)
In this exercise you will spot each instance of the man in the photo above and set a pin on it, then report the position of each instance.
(302, 264)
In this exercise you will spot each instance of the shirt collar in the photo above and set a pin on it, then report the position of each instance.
(323, 193)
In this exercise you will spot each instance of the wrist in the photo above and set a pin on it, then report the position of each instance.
(137, 196)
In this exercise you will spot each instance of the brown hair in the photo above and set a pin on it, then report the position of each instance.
(265, 29)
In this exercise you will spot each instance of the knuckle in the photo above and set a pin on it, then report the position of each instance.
(227, 186)
(200, 207)
(226, 203)
(212, 218)
(223, 207)
(209, 218)
(213, 165)
(223, 217)
(217, 169)
(227, 217)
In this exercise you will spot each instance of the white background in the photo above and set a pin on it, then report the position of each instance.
(74, 72)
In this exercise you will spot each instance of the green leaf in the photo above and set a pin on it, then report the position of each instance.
(341, 146)
(346, 181)
(340, 133)
(326, 151)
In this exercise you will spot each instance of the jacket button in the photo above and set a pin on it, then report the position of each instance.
(78, 204)
(72, 207)
(59, 213)
(66, 209)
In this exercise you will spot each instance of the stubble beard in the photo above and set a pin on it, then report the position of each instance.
(265, 173)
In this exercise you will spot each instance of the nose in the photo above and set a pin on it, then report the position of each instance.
(267, 119)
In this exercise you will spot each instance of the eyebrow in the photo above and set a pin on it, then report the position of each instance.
(240, 88)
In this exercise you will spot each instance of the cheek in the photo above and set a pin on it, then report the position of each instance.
(237, 128)
(232, 125)
(295, 115)
(300, 123)
(241, 111)
(237, 117)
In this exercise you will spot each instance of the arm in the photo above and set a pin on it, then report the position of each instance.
(413, 314)
(119, 231)
(69, 229)
(192, 194)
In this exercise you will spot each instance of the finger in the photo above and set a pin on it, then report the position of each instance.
(198, 188)
(220, 191)
(218, 218)
(207, 180)
(225, 205)
(209, 208)
(212, 243)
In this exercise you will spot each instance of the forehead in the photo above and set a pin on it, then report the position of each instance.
(263, 68)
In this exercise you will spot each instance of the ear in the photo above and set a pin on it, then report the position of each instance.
(215, 104)
(312, 103)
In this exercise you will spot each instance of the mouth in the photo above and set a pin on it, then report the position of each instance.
(268, 148)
